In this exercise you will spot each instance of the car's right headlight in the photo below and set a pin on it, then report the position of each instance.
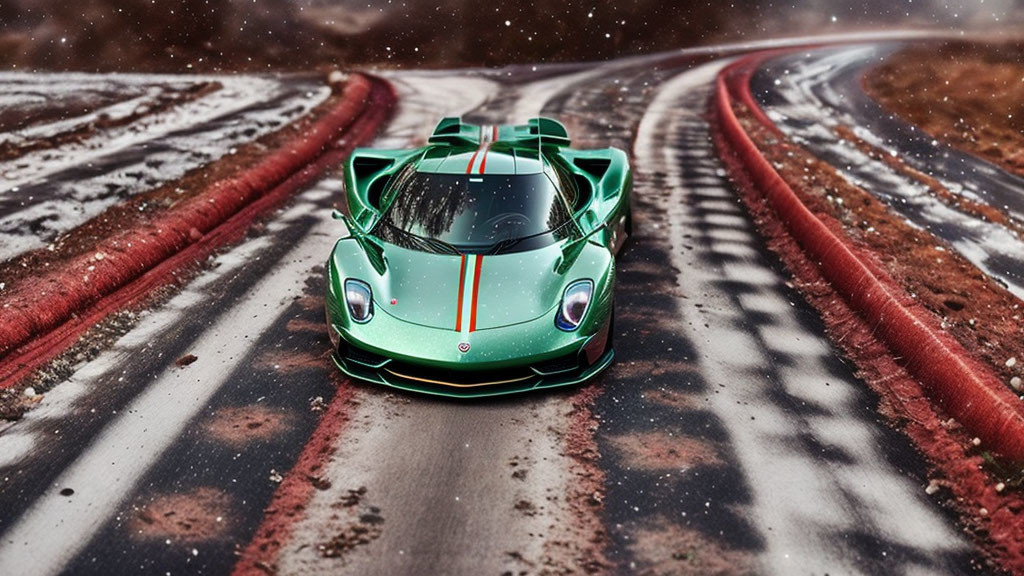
(359, 300)
(575, 302)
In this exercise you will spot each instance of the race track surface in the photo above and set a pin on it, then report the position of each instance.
(728, 437)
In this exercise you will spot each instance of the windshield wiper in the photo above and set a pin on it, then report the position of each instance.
(426, 244)
(503, 245)
(441, 245)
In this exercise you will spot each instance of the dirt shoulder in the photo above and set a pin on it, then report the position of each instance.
(168, 97)
(982, 316)
(977, 311)
(143, 207)
(968, 95)
(133, 213)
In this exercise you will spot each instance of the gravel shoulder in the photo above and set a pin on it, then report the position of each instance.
(966, 94)
(135, 212)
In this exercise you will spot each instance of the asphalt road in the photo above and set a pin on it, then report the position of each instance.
(808, 94)
(51, 190)
(728, 437)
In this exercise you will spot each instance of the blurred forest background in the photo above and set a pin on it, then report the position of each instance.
(224, 35)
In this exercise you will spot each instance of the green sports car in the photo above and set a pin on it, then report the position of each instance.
(480, 264)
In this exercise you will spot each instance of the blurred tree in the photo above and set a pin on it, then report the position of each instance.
(171, 35)
(10, 14)
(166, 35)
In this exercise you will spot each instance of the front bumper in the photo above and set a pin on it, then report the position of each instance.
(519, 358)
(564, 371)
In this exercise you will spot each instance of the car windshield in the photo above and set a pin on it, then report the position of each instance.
(489, 213)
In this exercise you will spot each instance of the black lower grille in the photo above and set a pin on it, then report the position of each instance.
(361, 356)
(566, 363)
(428, 375)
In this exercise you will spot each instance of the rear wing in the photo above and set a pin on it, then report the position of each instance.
(544, 131)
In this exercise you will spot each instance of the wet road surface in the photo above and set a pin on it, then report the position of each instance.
(728, 437)
(796, 88)
(49, 191)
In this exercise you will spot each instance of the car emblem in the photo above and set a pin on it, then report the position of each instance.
(463, 347)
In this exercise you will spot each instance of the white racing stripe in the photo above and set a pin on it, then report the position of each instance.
(468, 299)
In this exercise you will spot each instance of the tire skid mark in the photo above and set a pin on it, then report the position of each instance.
(798, 424)
(669, 444)
(148, 444)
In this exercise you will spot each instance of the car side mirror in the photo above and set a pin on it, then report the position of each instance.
(350, 224)
(589, 221)
(595, 230)
(572, 249)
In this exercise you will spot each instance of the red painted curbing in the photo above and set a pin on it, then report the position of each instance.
(40, 319)
(958, 467)
(963, 388)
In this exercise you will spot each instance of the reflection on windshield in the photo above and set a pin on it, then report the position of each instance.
(475, 213)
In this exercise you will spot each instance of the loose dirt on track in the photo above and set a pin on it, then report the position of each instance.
(202, 514)
(132, 212)
(667, 548)
(983, 316)
(240, 426)
(980, 313)
(169, 98)
(968, 95)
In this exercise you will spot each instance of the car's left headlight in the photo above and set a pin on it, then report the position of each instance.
(359, 299)
(574, 305)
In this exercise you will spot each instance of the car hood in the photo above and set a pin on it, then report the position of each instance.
(494, 290)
